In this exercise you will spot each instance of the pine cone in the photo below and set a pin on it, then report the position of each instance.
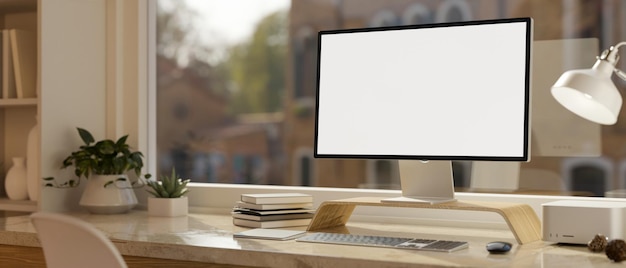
(616, 250)
(598, 243)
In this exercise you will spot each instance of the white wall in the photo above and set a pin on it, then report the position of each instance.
(93, 75)
(73, 81)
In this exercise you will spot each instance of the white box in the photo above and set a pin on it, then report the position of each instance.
(577, 222)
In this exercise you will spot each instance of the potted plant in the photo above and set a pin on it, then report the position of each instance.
(168, 196)
(104, 164)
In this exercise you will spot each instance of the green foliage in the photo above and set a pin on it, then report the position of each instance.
(105, 157)
(257, 67)
(168, 187)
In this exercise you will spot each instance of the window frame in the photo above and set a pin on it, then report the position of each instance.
(217, 197)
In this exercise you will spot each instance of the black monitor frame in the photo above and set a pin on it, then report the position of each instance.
(411, 170)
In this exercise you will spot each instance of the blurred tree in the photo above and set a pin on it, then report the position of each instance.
(257, 67)
(176, 38)
(180, 49)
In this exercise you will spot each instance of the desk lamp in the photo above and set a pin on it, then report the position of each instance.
(590, 93)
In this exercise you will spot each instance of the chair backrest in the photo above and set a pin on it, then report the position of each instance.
(70, 242)
(590, 174)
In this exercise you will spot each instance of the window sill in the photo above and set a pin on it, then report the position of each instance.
(223, 196)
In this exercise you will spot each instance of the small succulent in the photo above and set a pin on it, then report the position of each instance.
(168, 187)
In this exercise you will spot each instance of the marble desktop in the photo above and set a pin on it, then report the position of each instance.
(208, 238)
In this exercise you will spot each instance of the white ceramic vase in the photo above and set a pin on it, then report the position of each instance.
(168, 207)
(15, 180)
(116, 198)
(33, 182)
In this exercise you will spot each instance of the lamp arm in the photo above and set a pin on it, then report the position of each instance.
(621, 74)
(611, 55)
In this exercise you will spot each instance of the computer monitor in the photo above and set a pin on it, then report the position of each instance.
(426, 95)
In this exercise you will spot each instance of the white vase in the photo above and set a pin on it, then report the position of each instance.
(168, 207)
(15, 180)
(33, 182)
(115, 198)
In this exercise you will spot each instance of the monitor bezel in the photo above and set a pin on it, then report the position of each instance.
(527, 105)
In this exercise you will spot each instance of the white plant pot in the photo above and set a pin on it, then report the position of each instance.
(168, 207)
(116, 198)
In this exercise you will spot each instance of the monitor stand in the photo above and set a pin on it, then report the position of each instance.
(429, 182)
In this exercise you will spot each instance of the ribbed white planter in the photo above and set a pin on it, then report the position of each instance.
(33, 181)
(168, 207)
(116, 198)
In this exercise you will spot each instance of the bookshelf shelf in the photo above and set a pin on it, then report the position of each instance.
(18, 205)
(18, 102)
(11, 6)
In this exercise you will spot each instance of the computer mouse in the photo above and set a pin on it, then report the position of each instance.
(499, 247)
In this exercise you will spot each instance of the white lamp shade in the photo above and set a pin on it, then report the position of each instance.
(590, 93)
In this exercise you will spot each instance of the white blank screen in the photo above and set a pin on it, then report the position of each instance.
(455, 92)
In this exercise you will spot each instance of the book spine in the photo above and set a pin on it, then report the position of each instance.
(271, 224)
(8, 77)
(273, 217)
(273, 206)
(278, 200)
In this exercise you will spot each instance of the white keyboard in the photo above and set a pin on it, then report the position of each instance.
(385, 241)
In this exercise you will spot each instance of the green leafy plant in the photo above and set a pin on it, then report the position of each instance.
(168, 187)
(105, 157)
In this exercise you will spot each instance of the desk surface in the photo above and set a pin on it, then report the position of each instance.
(208, 238)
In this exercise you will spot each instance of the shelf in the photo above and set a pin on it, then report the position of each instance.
(18, 205)
(18, 5)
(18, 115)
(18, 102)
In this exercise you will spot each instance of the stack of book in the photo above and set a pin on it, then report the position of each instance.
(273, 210)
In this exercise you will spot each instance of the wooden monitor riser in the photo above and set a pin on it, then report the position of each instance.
(521, 218)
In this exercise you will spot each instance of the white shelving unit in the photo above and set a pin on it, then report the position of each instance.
(17, 116)
(82, 75)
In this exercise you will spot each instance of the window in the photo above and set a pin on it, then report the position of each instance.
(236, 82)
(417, 14)
(304, 58)
(384, 18)
(454, 10)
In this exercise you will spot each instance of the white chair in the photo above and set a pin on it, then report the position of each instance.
(70, 242)
(590, 174)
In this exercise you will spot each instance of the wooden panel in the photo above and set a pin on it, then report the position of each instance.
(25, 257)
(30, 257)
